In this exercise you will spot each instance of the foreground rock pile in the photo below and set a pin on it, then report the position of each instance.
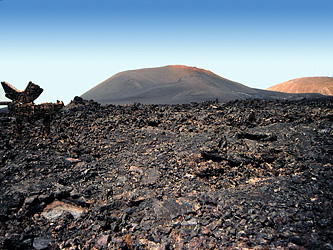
(240, 175)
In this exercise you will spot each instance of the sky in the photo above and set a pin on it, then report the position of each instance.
(69, 46)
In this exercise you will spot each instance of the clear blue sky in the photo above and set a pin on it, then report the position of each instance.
(69, 46)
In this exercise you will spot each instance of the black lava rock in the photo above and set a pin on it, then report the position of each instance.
(237, 175)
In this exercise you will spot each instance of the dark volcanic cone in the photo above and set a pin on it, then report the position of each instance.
(322, 85)
(168, 85)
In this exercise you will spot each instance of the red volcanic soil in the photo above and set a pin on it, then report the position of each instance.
(322, 85)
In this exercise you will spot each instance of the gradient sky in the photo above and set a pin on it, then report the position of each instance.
(69, 46)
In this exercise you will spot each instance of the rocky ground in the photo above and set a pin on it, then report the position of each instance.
(239, 175)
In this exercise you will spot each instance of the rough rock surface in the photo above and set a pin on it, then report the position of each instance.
(239, 175)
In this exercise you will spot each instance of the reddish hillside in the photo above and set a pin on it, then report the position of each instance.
(322, 85)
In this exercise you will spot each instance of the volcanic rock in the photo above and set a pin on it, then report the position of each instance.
(246, 174)
(41, 243)
(57, 208)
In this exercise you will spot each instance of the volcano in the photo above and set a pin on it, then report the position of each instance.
(322, 85)
(174, 84)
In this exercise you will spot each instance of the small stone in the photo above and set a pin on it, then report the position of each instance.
(227, 223)
(74, 194)
(328, 246)
(31, 199)
(150, 176)
(240, 234)
(136, 170)
(103, 241)
(41, 243)
(82, 202)
(191, 222)
(70, 160)
(292, 246)
(57, 208)
(61, 194)
(296, 239)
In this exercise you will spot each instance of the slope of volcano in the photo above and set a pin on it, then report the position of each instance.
(322, 85)
(172, 84)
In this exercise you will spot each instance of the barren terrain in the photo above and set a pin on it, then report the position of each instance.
(322, 85)
(249, 174)
(176, 84)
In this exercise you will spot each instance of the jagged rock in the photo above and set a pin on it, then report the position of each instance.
(41, 243)
(243, 174)
(57, 208)
(103, 240)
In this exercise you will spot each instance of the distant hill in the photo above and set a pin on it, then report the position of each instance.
(3, 110)
(174, 84)
(322, 85)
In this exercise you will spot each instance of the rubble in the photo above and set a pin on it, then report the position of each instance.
(249, 174)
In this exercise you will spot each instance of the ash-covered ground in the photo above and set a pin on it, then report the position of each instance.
(246, 174)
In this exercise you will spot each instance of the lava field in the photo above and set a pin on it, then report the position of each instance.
(248, 174)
